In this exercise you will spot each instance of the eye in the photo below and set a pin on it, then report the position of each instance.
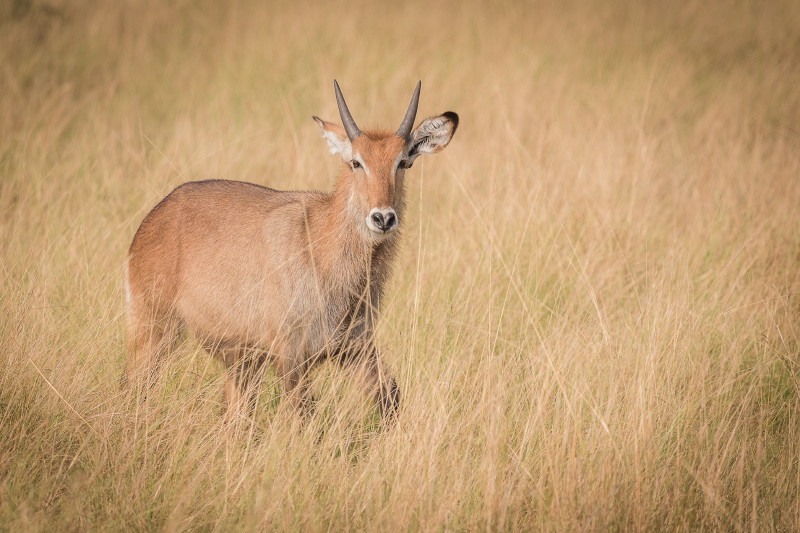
(405, 163)
(355, 164)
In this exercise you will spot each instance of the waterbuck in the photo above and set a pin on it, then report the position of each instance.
(288, 277)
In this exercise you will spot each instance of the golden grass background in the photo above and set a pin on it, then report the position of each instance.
(594, 319)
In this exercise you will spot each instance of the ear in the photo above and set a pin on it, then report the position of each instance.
(338, 143)
(433, 134)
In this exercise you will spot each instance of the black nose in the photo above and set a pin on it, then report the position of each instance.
(383, 221)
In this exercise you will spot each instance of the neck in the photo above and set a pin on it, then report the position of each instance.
(343, 253)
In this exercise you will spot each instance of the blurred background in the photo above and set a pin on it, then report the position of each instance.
(594, 317)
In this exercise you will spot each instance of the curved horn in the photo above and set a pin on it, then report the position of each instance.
(347, 119)
(408, 121)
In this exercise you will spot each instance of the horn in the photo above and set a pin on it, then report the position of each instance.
(347, 119)
(408, 121)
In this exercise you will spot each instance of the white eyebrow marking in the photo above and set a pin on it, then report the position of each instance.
(400, 157)
(357, 157)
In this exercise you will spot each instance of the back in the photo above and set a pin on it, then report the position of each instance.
(217, 251)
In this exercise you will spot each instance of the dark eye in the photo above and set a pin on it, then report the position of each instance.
(355, 164)
(405, 163)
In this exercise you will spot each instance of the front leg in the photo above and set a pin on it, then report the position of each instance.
(294, 379)
(357, 350)
(244, 372)
(386, 391)
(380, 384)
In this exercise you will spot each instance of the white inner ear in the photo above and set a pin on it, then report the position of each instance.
(338, 145)
(431, 136)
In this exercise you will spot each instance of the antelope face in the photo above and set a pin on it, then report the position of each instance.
(377, 161)
(377, 170)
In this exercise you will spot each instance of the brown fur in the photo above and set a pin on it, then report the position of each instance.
(291, 277)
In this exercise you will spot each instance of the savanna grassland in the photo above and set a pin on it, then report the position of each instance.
(594, 319)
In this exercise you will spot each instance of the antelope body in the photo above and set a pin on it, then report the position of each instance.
(287, 277)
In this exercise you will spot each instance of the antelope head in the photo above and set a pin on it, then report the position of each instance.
(376, 162)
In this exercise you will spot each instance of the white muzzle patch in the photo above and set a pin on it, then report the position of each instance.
(382, 221)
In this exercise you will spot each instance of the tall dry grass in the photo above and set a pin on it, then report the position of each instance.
(594, 320)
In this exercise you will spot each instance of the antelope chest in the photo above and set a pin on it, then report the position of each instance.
(328, 314)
